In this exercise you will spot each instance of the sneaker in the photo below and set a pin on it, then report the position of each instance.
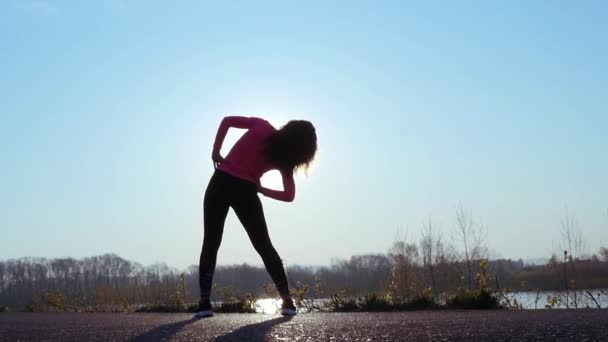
(287, 308)
(204, 309)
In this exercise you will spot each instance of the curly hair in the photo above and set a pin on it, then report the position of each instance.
(293, 146)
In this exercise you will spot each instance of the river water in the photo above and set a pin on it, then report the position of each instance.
(534, 300)
(526, 300)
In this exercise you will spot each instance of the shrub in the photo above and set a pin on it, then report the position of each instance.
(339, 302)
(465, 299)
(480, 298)
(373, 302)
(48, 301)
(240, 304)
(419, 303)
(231, 301)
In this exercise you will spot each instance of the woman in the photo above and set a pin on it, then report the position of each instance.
(236, 182)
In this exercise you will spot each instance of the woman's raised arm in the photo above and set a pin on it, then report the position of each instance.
(227, 122)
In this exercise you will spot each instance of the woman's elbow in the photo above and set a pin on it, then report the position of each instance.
(290, 199)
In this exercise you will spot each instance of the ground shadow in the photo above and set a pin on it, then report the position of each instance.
(163, 331)
(253, 332)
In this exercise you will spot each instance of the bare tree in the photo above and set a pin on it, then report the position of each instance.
(431, 247)
(472, 236)
(574, 248)
(603, 249)
(404, 282)
(572, 237)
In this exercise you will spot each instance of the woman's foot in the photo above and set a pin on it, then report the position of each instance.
(204, 309)
(287, 308)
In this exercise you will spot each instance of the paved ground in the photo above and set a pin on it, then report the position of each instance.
(539, 325)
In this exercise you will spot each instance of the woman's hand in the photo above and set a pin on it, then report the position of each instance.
(217, 158)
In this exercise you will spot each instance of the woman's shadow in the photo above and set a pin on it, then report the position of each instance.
(251, 332)
(163, 331)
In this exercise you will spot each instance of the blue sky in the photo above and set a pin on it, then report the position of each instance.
(109, 110)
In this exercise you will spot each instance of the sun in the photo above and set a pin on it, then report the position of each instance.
(268, 305)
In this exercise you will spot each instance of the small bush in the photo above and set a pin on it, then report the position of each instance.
(47, 301)
(373, 302)
(508, 301)
(239, 304)
(339, 302)
(479, 299)
(232, 301)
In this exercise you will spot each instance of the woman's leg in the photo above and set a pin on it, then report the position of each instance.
(215, 210)
(248, 209)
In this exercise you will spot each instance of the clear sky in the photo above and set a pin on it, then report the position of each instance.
(109, 110)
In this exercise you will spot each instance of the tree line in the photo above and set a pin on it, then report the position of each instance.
(114, 282)
(429, 267)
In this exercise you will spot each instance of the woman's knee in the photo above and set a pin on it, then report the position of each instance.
(210, 248)
(267, 252)
(260, 244)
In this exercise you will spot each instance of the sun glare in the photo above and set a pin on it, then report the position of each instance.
(268, 305)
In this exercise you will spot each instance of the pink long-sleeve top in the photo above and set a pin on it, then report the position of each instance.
(246, 158)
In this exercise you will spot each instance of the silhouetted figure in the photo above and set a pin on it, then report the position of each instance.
(236, 183)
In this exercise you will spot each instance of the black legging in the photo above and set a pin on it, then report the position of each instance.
(225, 191)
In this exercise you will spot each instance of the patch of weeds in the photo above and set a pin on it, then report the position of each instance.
(231, 301)
(373, 302)
(244, 304)
(377, 303)
(339, 302)
(509, 301)
(306, 303)
(480, 298)
(465, 299)
(47, 301)
(552, 302)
